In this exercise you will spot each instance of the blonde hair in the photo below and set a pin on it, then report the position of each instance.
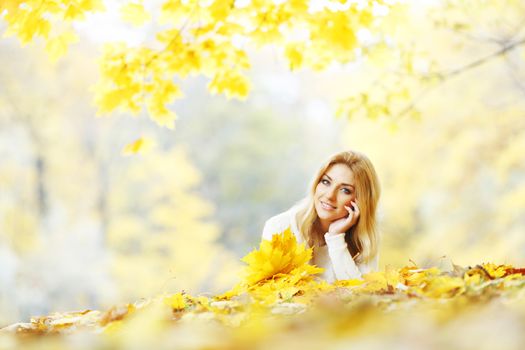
(362, 238)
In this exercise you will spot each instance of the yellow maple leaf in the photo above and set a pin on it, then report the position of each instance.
(175, 301)
(231, 83)
(294, 53)
(348, 283)
(419, 277)
(164, 92)
(236, 290)
(444, 287)
(274, 290)
(375, 282)
(495, 271)
(31, 26)
(472, 279)
(74, 12)
(113, 328)
(220, 9)
(57, 46)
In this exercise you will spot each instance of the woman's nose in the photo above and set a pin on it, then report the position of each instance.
(331, 193)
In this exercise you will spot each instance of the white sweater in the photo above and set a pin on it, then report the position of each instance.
(334, 257)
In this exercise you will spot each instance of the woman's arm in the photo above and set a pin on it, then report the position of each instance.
(342, 262)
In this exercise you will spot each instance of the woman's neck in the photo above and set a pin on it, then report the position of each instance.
(322, 225)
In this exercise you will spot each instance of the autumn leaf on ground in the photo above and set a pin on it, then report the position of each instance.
(175, 301)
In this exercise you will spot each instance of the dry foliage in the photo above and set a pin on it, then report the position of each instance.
(281, 303)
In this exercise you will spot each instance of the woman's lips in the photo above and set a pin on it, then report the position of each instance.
(327, 206)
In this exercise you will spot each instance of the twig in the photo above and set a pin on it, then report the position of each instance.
(480, 61)
(443, 77)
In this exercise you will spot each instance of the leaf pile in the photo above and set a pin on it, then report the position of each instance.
(280, 302)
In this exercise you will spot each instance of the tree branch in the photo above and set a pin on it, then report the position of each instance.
(483, 60)
(443, 77)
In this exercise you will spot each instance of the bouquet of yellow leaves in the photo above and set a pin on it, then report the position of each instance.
(279, 270)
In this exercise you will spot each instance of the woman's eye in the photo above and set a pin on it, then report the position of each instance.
(347, 191)
(324, 181)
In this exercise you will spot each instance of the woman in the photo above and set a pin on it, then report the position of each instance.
(337, 218)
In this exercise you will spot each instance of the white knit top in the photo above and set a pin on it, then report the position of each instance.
(334, 257)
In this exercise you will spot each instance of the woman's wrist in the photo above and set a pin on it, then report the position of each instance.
(332, 234)
(335, 240)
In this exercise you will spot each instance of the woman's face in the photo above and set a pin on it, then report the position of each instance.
(335, 190)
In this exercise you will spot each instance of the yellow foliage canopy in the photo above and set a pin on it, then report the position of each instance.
(198, 37)
(29, 18)
(135, 13)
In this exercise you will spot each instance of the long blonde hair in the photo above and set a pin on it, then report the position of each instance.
(362, 238)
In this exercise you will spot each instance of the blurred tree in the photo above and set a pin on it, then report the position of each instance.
(160, 231)
(21, 112)
(466, 35)
(68, 262)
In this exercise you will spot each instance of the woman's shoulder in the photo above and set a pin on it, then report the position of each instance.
(280, 222)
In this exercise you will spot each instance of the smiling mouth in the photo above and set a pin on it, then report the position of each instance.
(327, 206)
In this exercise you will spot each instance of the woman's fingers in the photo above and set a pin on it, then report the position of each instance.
(350, 211)
(356, 209)
(343, 224)
(351, 217)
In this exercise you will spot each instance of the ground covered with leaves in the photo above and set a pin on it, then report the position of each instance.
(281, 304)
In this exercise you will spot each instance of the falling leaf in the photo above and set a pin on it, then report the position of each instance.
(140, 146)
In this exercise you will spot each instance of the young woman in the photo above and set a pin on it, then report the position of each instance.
(337, 218)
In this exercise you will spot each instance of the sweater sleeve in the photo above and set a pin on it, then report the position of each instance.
(342, 262)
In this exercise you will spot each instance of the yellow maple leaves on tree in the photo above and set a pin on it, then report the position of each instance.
(51, 20)
(198, 37)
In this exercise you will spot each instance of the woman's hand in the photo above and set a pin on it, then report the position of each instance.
(342, 225)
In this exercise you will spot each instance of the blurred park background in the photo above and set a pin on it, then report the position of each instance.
(83, 225)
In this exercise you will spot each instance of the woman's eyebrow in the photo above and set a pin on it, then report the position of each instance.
(329, 178)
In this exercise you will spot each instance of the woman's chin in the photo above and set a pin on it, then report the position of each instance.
(324, 215)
